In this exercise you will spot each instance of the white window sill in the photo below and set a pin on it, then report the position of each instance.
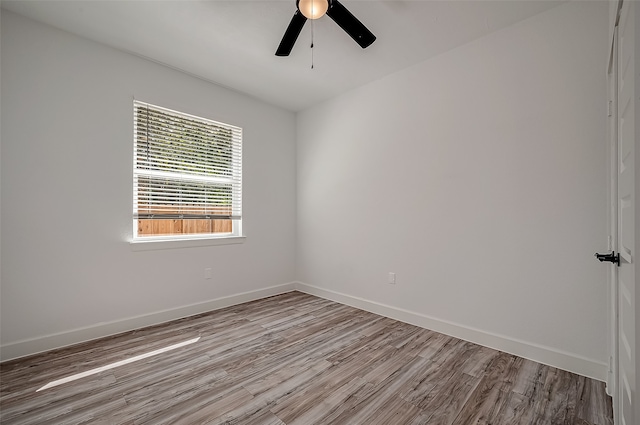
(155, 244)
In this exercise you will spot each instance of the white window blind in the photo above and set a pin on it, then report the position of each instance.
(185, 168)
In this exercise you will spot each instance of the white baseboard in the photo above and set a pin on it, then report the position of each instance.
(547, 355)
(541, 354)
(48, 342)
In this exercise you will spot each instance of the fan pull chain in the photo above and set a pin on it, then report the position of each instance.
(311, 44)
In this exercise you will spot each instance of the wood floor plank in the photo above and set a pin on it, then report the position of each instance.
(361, 411)
(146, 401)
(517, 410)
(387, 368)
(552, 407)
(529, 377)
(201, 410)
(498, 401)
(347, 407)
(435, 344)
(336, 377)
(427, 382)
(591, 402)
(483, 400)
(272, 395)
(264, 417)
(295, 359)
(448, 398)
(416, 342)
(394, 411)
(479, 359)
(309, 411)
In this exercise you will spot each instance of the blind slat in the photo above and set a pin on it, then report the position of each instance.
(147, 172)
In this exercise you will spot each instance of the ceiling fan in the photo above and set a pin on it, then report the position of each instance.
(314, 9)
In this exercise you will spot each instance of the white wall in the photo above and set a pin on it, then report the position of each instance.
(479, 177)
(67, 137)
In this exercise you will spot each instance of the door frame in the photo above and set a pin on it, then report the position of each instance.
(612, 214)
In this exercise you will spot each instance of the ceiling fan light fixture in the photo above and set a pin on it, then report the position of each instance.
(313, 9)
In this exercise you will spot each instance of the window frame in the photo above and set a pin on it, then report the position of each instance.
(177, 240)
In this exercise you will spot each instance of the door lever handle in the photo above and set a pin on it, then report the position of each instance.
(611, 257)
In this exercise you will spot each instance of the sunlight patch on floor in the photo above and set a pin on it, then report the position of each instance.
(116, 364)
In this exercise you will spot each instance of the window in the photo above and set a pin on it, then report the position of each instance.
(187, 176)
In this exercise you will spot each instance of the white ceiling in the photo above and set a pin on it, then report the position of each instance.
(232, 43)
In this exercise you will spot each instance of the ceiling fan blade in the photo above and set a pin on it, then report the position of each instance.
(350, 24)
(291, 34)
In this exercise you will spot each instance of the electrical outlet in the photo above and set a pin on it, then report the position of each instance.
(207, 273)
(392, 278)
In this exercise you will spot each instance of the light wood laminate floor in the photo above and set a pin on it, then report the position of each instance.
(295, 359)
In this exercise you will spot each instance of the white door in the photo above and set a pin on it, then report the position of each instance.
(627, 133)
